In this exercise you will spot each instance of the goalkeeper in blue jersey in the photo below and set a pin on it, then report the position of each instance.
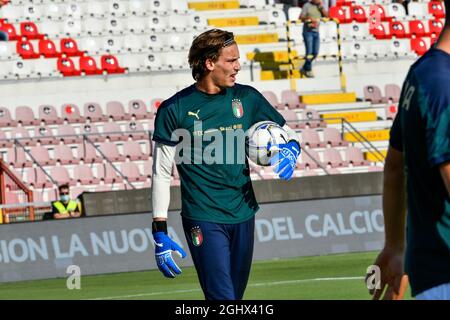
(218, 202)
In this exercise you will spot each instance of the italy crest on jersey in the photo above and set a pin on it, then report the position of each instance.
(238, 110)
(197, 236)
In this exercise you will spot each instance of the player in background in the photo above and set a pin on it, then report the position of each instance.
(417, 181)
(218, 202)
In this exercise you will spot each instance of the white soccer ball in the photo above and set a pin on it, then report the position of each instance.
(260, 135)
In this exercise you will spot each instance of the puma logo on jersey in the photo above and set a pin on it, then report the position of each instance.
(194, 114)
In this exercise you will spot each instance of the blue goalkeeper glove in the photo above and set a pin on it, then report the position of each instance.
(285, 159)
(163, 254)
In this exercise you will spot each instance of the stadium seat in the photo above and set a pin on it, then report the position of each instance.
(340, 13)
(71, 113)
(291, 99)
(31, 12)
(354, 156)
(273, 99)
(391, 93)
(23, 135)
(333, 137)
(419, 46)
(53, 11)
(92, 133)
(72, 28)
(67, 67)
(379, 32)
(88, 153)
(61, 176)
(48, 49)
(11, 197)
(311, 118)
(138, 110)
(308, 159)
(292, 119)
(118, 8)
(17, 158)
(113, 132)
(380, 11)
(115, 26)
(68, 135)
(136, 25)
(83, 174)
(373, 94)
(26, 50)
(51, 29)
(358, 14)
(5, 118)
(93, 112)
(436, 8)
(48, 115)
(111, 152)
(96, 9)
(332, 157)
(10, 30)
(44, 135)
(131, 171)
(30, 31)
(148, 168)
(41, 156)
(94, 27)
(417, 28)
(116, 111)
(107, 173)
(136, 131)
(110, 64)
(418, 10)
(74, 10)
(133, 151)
(435, 27)
(310, 138)
(25, 116)
(138, 7)
(37, 178)
(88, 66)
(69, 48)
(397, 29)
(396, 10)
(64, 155)
(4, 141)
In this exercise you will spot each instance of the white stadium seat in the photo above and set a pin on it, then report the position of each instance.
(118, 8)
(136, 24)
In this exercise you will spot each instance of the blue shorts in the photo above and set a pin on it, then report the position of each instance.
(222, 255)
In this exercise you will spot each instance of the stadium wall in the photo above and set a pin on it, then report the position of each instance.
(307, 216)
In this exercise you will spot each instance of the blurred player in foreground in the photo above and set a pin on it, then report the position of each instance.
(218, 202)
(417, 180)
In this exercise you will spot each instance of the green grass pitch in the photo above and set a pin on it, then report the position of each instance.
(320, 277)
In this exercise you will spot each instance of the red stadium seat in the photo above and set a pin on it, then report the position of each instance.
(341, 14)
(397, 29)
(379, 10)
(379, 32)
(68, 134)
(17, 158)
(131, 171)
(69, 48)
(135, 130)
(392, 92)
(91, 131)
(436, 8)
(88, 153)
(291, 99)
(292, 119)
(88, 66)
(41, 156)
(44, 135)
(435, 27)
(358, 14)
(64, 155)
(26, 50)
(67, 67)
(61, 176)
(113, 132)
(37, 178)
(4, 141)
(47, 49)
(390, 111)
(272, 98)
(308, 159)
(10, 30)
(332, 157)
(110, 64)
(354, 156)
(312, 118)
(30, 31)
(419, 46)
(373, 94)
(133, 151)
(22, 134)
(108, 174)
(417, 28)
(110, 151)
